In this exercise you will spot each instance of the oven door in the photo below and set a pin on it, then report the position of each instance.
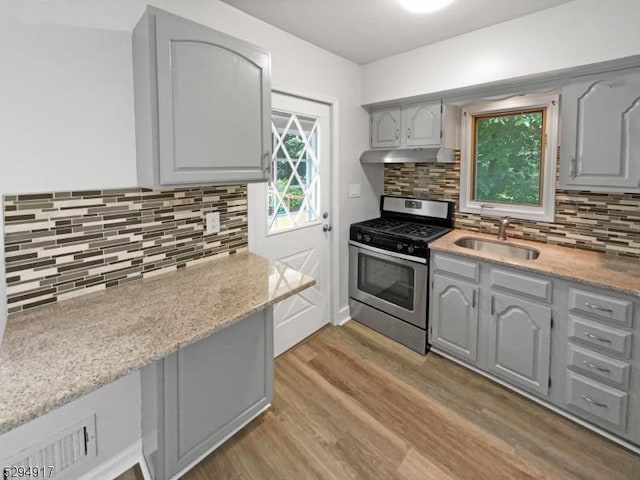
(389, 282)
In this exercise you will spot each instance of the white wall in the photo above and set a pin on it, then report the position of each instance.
(67, 101)
(69, 96)
(573, 34)
(118, 423)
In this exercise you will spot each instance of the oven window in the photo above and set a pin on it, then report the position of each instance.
(386, 280)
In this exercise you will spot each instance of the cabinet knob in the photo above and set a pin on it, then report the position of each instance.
(408, 134)
(397, 134)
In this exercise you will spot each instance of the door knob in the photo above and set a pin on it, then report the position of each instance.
(327, 228)
(325, 215)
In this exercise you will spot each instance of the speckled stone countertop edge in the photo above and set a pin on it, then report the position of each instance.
(585, 259)
(24, 413)
(49, 406)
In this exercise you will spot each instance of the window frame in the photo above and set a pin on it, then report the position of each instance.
(546, 210)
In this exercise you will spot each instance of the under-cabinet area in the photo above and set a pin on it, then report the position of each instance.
(196, 398)
(572, 345)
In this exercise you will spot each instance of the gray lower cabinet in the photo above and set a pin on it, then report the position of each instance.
(196, 398)
(519, 342)
(202, 104)
(454, 317)
(600, 145)
(569, 344)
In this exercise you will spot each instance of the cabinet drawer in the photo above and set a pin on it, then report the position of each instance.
(456, 266)
(599, 366)
(607, 338)
(598, 400)
(601, 306)
(524, 284)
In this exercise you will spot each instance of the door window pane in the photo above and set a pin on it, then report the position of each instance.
(294, 191)
(387, 280)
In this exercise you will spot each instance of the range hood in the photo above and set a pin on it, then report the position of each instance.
(409, 155)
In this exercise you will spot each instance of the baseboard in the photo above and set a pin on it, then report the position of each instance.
(344, 315)
(550, 406)
(117, 464)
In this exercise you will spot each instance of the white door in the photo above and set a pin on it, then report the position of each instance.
(289, 217)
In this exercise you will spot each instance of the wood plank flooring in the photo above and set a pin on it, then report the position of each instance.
(351, 404)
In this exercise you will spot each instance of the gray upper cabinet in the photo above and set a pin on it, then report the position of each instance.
(421, 125)
(203, 104)
(600, 147)
(408, 126)
(519, 342)
(385, 128)
(454, 317)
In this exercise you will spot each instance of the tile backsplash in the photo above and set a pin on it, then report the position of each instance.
(604, 222)
(64, 244)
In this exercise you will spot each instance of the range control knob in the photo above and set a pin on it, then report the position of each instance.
(410, 249)
(399, 246)
(358, 236)
(367, 238)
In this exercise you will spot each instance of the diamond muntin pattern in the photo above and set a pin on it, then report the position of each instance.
(294, 191)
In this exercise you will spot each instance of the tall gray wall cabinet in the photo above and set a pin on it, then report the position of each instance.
(601, 133)
(202, 102)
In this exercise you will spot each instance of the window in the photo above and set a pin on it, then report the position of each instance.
(294, 192)
(509, 157)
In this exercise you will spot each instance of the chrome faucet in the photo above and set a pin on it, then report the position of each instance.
(504, 223)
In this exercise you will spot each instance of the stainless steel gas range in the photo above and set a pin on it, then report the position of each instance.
(389, 267)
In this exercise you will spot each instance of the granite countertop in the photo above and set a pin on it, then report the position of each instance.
(597, 269)
(54, 354)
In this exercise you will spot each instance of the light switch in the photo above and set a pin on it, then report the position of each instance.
(355, 190)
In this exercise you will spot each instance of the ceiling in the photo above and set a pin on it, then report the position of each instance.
(367, 30)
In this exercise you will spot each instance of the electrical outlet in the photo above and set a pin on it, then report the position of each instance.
(212, 222)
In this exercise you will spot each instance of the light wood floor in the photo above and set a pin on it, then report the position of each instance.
(351, 404)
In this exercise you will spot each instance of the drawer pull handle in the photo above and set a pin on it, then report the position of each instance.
(590, 400)
(600, 369)
(598, 308)
(597, 338)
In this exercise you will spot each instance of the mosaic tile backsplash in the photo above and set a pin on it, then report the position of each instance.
(604, 222)
(61, 245)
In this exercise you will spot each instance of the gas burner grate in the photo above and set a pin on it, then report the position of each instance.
(417, 230)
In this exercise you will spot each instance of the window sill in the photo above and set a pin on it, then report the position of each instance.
(536, 214)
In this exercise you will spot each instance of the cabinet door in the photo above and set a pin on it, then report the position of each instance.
(421, 125)
(214, 105)
(215, 386)
(519, 342)
(454, 319)
(385, 128)
(600, 140)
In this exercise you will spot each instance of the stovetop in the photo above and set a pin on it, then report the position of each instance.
(402, 228)
(406, 226)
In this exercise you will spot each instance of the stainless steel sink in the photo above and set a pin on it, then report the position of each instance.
(498, 247)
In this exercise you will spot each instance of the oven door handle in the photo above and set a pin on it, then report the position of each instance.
(381, 251)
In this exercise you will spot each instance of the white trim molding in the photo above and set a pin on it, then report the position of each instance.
(118, 464)
(545, 212)
(344, 315)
